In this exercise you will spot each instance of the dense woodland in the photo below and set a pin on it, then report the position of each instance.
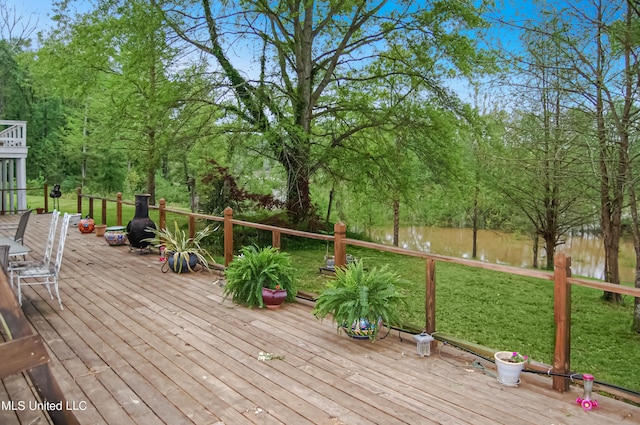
(439, 113)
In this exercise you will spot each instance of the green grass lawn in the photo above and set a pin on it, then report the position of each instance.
(497, 310)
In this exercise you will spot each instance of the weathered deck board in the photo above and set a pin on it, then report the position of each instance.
(142, 347)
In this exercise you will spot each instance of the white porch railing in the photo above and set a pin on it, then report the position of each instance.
(13, 166)
(15, 135)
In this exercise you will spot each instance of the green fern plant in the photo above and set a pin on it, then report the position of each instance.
(358, 294)
(255, 269)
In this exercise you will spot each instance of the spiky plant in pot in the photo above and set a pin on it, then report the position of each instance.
(181, 251)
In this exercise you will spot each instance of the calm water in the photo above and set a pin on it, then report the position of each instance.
(587, 252)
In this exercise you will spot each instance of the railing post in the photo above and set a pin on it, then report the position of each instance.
(228, 236)
(119, 209)
(162, 214)
(562, 316)
(192, 225)
(339, 248)
(79, 190)
(91, 207)
(104, 211)
(275, 239)
(430, 300)
(46, 197)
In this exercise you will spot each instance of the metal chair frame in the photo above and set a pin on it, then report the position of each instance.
(14, 266)
(22, 227)
(49, 273)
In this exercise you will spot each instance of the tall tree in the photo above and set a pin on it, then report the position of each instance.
(116, 62)
(607, 81)
(626, 43)
(24, 96)
(313, 60)
(15, 33)
(546, 151)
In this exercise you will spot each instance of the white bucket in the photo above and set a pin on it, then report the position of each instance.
(74, 219)
(508, 373)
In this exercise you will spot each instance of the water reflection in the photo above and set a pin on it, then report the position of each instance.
(587, 252)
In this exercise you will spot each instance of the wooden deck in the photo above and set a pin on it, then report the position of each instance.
(136, 346)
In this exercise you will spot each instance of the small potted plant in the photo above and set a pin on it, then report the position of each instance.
(260, 278)
(361, 301)
(509, 365)
(182, 253)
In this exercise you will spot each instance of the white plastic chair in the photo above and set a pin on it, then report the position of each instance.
(14, 266)
(49, 273)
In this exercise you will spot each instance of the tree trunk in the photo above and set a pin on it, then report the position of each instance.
(550, 247)
(474, 220)
(151, 168)
(625, 124)
(298, 196)
(151, 185)
(636, 301)
(329, 206)
(635, 324)
(635, 228)
(535, 249)
(396, 222)
(611, 196)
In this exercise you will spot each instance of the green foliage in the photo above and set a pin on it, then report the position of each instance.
(224, 191)
(256, 268)
(357, 294)
(110, 176)
(175, 191)
(329, 96)
(14, 105)
(181, 247)
(126, 87)
(134, 183)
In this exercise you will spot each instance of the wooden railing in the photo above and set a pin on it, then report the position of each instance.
(25, 351)
(8, 206)
(561, 276)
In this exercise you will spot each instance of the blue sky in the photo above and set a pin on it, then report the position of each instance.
(39, 10)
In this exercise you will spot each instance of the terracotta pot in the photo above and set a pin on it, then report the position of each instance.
(273, 298)
(100, 229)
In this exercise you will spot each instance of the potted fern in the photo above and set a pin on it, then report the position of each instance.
(260, 278)
(361, 301)
(182, 253)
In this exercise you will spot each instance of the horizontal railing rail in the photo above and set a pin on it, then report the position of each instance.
(13, 191)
